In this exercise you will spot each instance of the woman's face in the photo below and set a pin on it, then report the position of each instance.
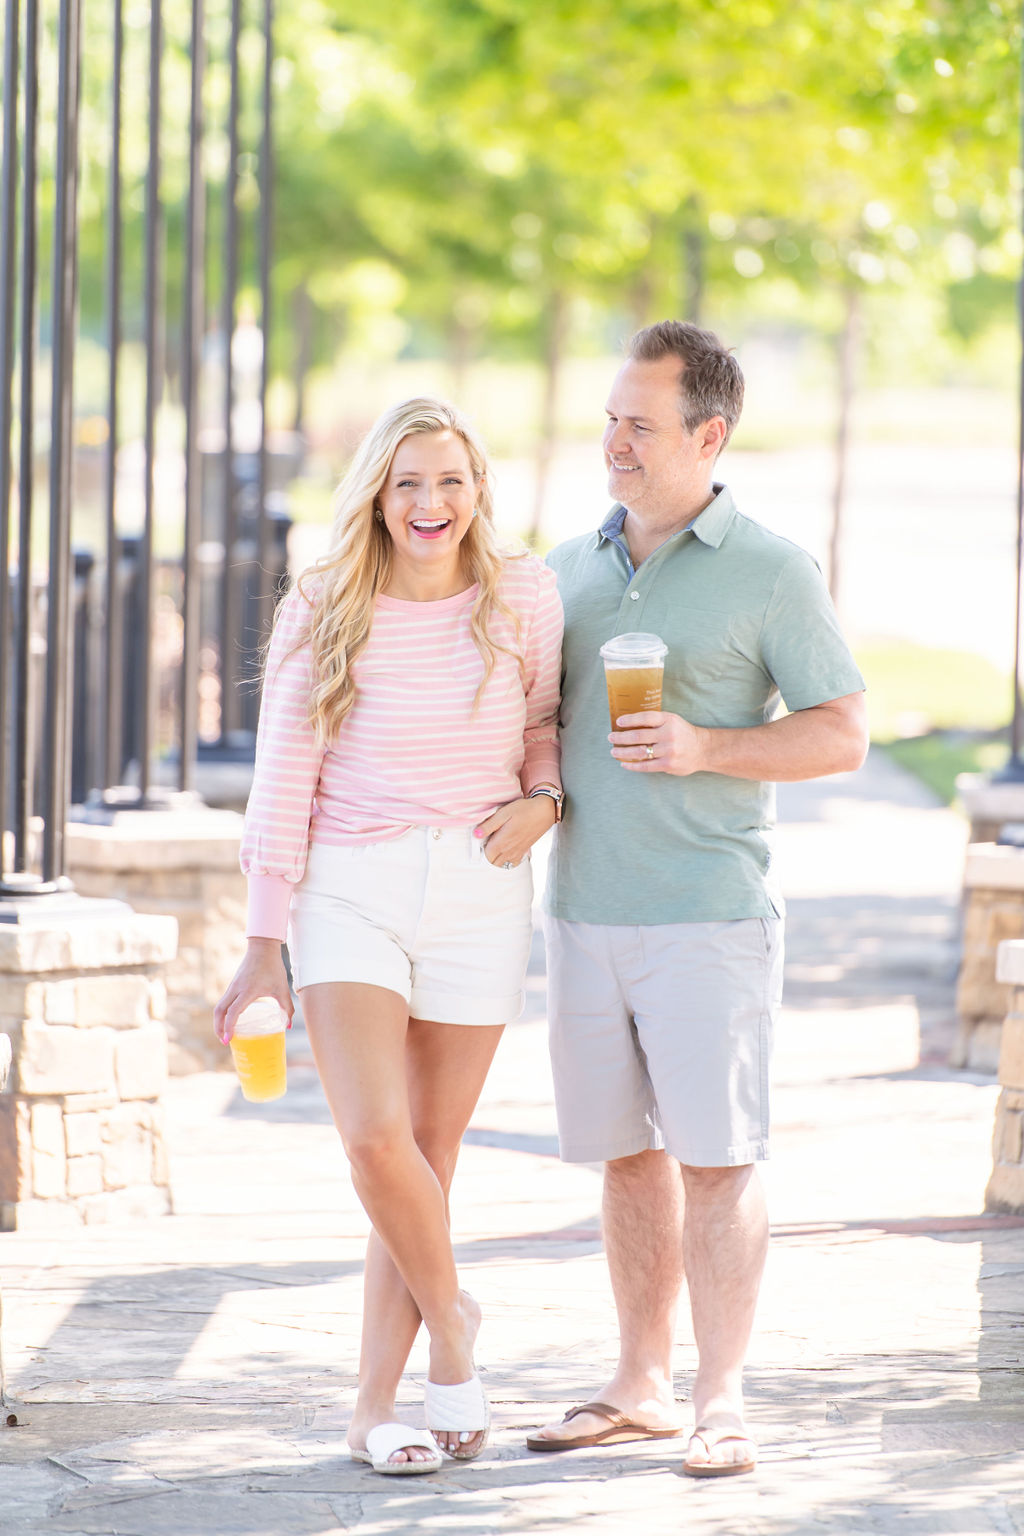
(428, 499)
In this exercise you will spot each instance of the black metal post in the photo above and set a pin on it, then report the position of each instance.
(143, 740)
(8, 236)
(194, 327)
(111, 754)
(267, 590)
(1013, 769)
(83, 677)
(230, 593)
(26, 470)
(65, 296)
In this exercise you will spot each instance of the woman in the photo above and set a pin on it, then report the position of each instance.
(405, 765)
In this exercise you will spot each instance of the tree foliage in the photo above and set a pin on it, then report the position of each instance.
(473, 165)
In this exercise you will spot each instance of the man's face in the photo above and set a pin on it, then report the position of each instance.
(655, 466)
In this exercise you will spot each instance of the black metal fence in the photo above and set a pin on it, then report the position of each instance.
(119, 661)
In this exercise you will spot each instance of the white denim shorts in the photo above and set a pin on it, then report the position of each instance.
(425, 915)
(661, 1038)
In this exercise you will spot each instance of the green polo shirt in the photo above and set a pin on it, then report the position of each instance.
(747, 618)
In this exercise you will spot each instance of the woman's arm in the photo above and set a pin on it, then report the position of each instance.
(511, 831)
(542, 663)
(275, 840)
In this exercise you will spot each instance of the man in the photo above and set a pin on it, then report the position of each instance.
(664, 926)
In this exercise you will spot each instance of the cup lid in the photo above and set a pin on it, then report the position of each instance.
(634, 647)
(263, 1017)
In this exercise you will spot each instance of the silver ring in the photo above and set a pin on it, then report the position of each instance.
(508, 866)
(649, 750)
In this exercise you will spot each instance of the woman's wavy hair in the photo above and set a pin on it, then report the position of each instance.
(342, 586)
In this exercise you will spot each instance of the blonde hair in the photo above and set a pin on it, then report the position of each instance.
(357, 565)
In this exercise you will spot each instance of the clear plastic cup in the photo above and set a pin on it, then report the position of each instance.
(634, 668)
(257, 1049)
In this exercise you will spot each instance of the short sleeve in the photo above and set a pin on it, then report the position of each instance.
(802, 646)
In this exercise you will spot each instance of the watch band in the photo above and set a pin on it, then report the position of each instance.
(557, 795)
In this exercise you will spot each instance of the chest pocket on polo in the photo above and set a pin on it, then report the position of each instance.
(713, 674)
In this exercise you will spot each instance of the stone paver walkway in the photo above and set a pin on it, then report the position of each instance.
(193, 1376)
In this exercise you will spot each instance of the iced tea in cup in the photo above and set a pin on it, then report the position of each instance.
(634, 666)
(257, 1048)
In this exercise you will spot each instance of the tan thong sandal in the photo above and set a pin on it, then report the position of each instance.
(620, 1428)
(710, 1439)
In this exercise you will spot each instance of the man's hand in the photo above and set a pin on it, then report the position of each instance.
(827, 738)
(657, 742)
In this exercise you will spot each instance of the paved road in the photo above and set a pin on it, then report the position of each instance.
(193, 1376)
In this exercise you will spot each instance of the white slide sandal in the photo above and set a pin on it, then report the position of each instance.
(460, 1407)
(385, 1439)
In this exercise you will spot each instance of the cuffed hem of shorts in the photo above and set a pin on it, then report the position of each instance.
(353, 977)
(450, 1008)
(731, 1157)
(605, 1152)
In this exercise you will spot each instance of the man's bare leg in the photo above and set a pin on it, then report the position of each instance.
(725, 1241)
(643, 1239)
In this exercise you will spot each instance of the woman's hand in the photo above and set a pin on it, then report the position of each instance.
(261, 974)
(512, 830)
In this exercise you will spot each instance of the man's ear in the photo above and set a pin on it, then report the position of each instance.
(713, 435)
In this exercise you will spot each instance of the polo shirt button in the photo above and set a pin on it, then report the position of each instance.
(436, 832)
(634, 595)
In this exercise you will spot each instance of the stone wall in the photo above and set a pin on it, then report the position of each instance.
(994, 911)
(989, 805)
(82, 1002)
(1005, 1190)
(182, 864)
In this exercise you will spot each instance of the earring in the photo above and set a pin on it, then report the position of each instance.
(475, 511)
(378, 514)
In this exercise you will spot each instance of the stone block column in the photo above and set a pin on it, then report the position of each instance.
(994, 911)
(1005, 1190)
(989, 805)
(82, 1000)
(183, 864)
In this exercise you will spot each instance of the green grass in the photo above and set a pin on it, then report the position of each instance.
(913, 690)
(937, 759)
(937, 713)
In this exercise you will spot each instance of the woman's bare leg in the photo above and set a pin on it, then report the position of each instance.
(377, 1076)
(446, 1065)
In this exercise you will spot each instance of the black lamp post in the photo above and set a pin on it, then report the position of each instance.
(1013, 770)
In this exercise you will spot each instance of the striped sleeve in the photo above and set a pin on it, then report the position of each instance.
(275, 838)
(542, 658)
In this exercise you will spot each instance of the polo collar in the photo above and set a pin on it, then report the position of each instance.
(710, 526)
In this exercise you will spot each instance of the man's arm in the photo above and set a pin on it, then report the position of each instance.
(828, 738)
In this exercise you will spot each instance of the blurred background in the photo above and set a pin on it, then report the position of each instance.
(484, 198)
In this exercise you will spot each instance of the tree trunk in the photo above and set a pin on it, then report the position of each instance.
(303, 353)
(554, 346)
(640, 294)
(460, 353)
(847, 347)
(693, 264)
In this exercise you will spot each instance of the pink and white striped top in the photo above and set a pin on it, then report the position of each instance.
(412, 751)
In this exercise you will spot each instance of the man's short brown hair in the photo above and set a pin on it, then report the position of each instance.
(711, 381)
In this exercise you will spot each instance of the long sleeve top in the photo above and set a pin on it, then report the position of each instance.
(414, 750)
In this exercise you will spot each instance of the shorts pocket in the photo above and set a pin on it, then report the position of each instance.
(500, 868)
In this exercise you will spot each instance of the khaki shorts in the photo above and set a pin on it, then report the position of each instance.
(661, 1038)
(424, 915)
